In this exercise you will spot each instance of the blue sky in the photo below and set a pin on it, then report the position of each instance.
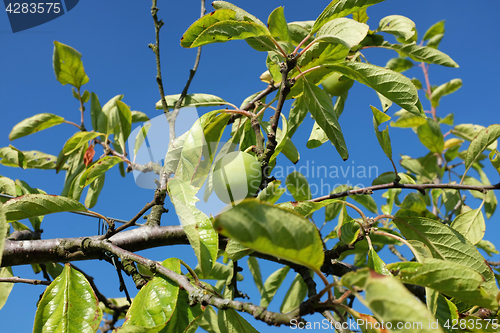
(113, 38)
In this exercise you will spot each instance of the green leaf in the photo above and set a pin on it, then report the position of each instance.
(342, 30)
(98, 118)
(469, 132)
(298, 186)
(447, 277)
(253, 266)
(290, 151)
(24, 188)
(471, 225)
(377, 264)
(431, 136)
(434, 30)
(299, 30)
(78, 140)
(298, 112)
(295, 295)
(241, 14)
(220, 26)
(94, 191)
(193, 100)
(196, 224)
(68, 66)
(68, 305)
(272, 192)
(383, 137)
(31, 205)
(397, 25)
(306, 208)
(4, 228)
(445, 89)
(414, 202)
(5, 288)
(389, 177)
(360, 16)
(317, 137)
(272, 284)
(422, 53)
(141, 137)
(340, 8)
(124, 125)
(394, 86)
(321, 107)
(446, 243)
(98, 168)
(38, 160)
(185, 318)
(487, 247)
(405, 308)
(156, 301)
(260, 227)
(231, 322)
(348, 229)
(495, 160)
(399, 64)
(407, 120)
(480, 143)
(278, 26)
(34, 124)
(11, 156)
(139, 117)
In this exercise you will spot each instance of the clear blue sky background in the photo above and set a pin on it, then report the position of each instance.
(113, 38)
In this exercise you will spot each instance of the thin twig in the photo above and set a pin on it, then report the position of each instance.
(17, 279)
(419, 187)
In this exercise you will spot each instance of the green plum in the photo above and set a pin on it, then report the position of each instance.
(236, 176)
(336, 84)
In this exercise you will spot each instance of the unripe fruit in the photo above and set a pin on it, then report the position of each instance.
(236, 176)
(336, 85)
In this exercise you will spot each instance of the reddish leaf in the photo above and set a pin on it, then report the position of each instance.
(89, 155)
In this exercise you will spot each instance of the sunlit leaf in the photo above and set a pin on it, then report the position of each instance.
(431, 136)
(193, 100)
(156, 301)
(471, 225)
(342, 30)
(340, 8)
(399, 64)
(78, 140)
(448, 277)
(278, 26)
(31, 205)
(422, 53)
(11, 156)
(68, 305)
(270, 287)
(34, 124)
(397, 25)
(98, 168)
(5, 288)
(68, 65)
(480, 143)
(445, 89)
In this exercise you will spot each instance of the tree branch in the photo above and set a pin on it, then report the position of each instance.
(17, 279)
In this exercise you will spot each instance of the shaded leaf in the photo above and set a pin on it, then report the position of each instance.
(295, 295)
(342, 30)
(272, 284)
(260, 227)
(94, 191)
(399, 64)
(298, 186)
(11, 156)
